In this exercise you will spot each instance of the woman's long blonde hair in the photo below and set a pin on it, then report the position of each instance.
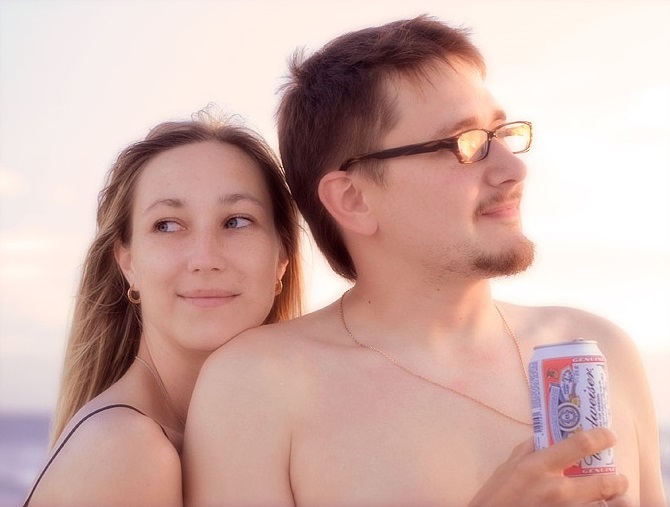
(106, 328)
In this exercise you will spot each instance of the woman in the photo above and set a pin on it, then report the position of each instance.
(197, 240)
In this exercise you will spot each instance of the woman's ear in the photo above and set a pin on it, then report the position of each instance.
(344, 198)
(124, 260)
(282, 263)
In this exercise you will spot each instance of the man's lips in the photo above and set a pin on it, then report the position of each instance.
(502, 210)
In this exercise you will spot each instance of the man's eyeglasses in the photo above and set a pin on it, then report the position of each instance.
(469, 147)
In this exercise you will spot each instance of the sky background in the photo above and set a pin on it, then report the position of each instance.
(79, 80)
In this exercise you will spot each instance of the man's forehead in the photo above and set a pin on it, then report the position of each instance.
(445, 97)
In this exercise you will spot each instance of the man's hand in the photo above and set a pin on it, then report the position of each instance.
(530, 478)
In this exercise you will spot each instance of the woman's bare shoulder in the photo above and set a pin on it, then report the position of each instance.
(114, 456)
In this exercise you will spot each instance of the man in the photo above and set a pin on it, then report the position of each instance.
(411, 389)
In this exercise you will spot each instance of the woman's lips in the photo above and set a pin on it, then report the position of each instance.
(208, 298)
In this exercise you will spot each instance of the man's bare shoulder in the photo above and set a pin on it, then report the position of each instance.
(282, 339)
(264, 374)
(285, 350)
(250, 400)
(542, 325)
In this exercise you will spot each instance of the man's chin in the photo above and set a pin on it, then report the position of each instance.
(508, 263)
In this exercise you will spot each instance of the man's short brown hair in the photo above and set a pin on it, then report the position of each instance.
(336, 106)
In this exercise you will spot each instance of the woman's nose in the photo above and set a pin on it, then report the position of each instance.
(207, 253)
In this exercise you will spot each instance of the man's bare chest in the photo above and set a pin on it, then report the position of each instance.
(397, 443)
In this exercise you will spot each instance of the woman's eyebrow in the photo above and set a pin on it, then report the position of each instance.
(170, 202)
(237, 197)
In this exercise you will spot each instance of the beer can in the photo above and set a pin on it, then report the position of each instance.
(569, 393)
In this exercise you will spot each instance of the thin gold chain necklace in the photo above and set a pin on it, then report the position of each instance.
(397, 364)
(161, 387)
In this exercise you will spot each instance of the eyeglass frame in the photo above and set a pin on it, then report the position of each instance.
(448, 143)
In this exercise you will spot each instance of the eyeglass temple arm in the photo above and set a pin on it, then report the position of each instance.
(411, 149)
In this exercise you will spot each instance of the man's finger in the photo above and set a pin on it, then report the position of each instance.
(524, 448)
(580, 444)
(596, 487)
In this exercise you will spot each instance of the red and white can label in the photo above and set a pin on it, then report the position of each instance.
(570, 394)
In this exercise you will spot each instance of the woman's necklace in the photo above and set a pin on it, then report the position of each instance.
(161, 387)
(433, 382)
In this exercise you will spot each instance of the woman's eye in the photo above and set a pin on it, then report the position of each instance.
(237, 222)
(167, 226)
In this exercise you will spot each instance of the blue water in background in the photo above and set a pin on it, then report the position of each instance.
(24, 439)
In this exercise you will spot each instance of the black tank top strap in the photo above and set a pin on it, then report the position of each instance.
(62, 444)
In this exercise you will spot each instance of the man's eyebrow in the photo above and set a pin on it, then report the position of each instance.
(470, 122)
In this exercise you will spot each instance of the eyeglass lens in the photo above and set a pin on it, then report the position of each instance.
(516, 137)
(474, 144)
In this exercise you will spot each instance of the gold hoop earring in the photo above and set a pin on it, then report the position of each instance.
(279, 286)
(132, 297)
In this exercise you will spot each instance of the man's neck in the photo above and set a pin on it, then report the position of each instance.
(433, 314)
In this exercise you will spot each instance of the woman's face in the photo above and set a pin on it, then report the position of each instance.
(204, 253)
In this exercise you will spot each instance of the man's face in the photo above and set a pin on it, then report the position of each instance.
(449, 217)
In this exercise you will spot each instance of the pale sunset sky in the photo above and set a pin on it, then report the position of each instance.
(79, 80)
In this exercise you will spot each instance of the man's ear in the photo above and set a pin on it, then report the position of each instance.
(124, 260)
(345, 200)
